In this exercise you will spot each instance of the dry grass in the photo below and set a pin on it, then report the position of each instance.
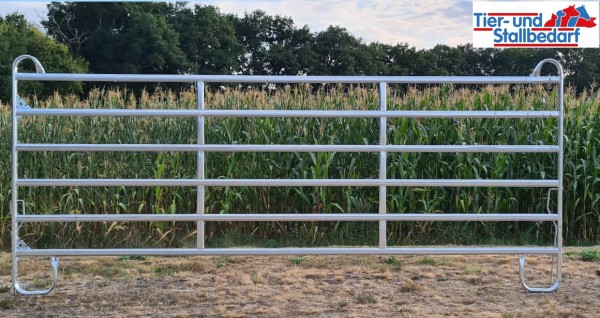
(319, 286)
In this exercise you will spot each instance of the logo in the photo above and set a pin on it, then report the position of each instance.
(535, 24)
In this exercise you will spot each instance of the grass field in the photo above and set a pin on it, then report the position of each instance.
(582, 167)
(304, 286)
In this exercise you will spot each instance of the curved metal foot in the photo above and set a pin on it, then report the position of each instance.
(53, 272)
(553, 285)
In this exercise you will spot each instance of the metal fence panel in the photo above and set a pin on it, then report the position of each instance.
(20, 248)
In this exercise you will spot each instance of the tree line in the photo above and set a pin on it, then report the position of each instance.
(174, 38)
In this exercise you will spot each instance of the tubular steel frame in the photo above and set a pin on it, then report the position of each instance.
(20, 248)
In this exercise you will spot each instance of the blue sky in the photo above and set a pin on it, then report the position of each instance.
(420, 23)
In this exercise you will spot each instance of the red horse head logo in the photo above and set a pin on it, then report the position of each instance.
(571, 17)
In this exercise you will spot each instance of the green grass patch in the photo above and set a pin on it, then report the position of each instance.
(132, 258)
(9, 303)
(40, 283)
(223, 261)
(297, 260)
(366, 298)
(391, 260)
(106, 270)
(589, 255)
(428, 261)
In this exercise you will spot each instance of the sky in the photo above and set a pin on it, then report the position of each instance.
(420, 23)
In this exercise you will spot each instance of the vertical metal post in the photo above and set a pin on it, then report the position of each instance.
(200, 168)
(14, 187)
(561, 137)
(382, 164)
(558, 239)
(14, 175)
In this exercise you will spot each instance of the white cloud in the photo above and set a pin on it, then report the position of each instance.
(422, 23)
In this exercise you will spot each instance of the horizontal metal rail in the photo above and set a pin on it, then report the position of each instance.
(291, 148)
(287, 217)
(288, 113)
(525, 183)
(291, 251)
(62, 77)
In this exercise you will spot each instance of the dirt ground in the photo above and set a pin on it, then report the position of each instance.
(303, 286)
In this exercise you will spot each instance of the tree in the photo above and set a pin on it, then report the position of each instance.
(147, 45)
(208, 40)
(478, 62)
(449, 60)
(273, 45)
(292, 52)
(393, 60)
(337, 52)
(516, 61)
(119, 37)
(580, 67)
(253, 31)
(18, 37)
(424, 64)
(376, 59)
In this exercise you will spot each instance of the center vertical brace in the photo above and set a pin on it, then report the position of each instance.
(382, 164)
(200, 169)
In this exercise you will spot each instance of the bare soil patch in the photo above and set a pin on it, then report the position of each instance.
(303, 286)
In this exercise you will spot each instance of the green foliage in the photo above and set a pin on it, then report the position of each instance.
(581, 196)
(147, 46)
(118, 37)
(208, 40)
(273, 44)
(125, 37)
(172, 38)
(582, 66)
(223, 261)
(427, 261)
(17, 37)
(131, 258)
(338, 52)
(10, 302)
(297, 260)
(391, 260)
(590, 255)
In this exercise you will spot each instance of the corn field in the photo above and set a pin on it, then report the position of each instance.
(582, 167)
